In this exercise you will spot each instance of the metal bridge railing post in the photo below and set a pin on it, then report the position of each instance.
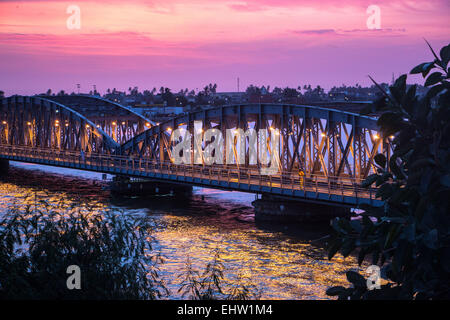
(239, 177)
(317, 187)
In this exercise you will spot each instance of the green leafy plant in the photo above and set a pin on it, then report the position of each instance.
(211, 284)
(113, 251)
(409, 237)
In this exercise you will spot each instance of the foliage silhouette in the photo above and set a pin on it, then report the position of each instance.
(410, 236)
(112, 250)
(211, 283)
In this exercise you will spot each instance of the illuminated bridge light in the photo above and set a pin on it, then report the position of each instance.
(3, 122)
(323, 134)
(29, 123)
(114, 123)
(147, 125)
(376, 137)
(123, 123)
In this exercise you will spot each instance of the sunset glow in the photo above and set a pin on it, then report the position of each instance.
(183, 44)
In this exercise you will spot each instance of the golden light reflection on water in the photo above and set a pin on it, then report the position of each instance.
(281, 268)
(280, 265)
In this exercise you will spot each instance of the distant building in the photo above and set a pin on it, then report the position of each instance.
(261, 98)
(116, 96)
(231, 97)
(152, 110)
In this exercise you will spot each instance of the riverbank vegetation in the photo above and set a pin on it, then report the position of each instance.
(114, 252)
(409, 238)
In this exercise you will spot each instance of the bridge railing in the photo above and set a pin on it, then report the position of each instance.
(230, 175)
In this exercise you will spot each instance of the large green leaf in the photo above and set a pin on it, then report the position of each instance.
(435, 90)
(433, 78)
(335, 291)
(384, 192)
(445, 55)
(334, 247)
(380, 159)
(422, 67)
(356, 279)
(390, 119)
(400, 82)
(369, 180)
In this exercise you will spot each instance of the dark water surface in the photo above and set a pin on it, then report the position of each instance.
(282, 262)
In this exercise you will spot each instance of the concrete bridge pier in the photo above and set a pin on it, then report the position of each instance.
(123, 185)
(4, 167)
(274, 209)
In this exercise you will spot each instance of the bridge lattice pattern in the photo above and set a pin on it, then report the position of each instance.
(327, 147)
(313, 140)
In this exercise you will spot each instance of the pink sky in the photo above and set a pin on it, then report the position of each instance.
(188, 44)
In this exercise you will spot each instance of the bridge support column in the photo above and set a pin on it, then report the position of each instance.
(4, 167)
(274, 209)
(122, 185)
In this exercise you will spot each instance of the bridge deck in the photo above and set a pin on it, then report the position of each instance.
(332, 190)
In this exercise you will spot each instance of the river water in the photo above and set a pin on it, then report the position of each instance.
(282, 262)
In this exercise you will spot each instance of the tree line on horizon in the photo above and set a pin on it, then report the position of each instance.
(210, 95)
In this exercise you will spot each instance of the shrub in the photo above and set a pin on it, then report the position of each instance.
(113, 251)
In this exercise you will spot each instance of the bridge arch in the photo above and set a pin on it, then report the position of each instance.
(119, 122)
(38, 122)
(313, 140)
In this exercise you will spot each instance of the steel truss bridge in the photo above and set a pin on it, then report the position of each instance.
(324, 154)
